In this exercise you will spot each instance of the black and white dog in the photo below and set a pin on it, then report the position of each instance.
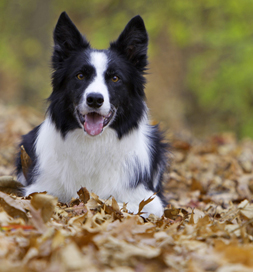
(96, 133)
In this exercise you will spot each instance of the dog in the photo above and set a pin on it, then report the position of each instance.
(96, 133)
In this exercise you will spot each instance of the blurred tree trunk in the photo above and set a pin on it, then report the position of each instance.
(37, 27)
(166, 84)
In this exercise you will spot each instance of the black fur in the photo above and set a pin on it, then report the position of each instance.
(28, 142)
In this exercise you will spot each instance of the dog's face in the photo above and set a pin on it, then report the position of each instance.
(94, 89)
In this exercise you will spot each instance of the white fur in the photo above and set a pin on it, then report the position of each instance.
(21, 178)
(103, 164)
(99, 61)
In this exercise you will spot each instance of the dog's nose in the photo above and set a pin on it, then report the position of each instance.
(95, 100)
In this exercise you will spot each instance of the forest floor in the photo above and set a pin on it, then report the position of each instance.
(207, 226)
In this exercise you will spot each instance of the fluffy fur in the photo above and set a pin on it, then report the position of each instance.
(96, 133)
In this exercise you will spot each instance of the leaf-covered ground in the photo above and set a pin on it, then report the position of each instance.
(208, 225)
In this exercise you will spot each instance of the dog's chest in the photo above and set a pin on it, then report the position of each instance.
(89, 161)
(102, 164)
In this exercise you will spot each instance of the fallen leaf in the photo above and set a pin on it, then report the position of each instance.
(58, 240)
(77, 220)
(72, 257)
(246, 209)
(25, 161)
(175, 214)
(9, 185)
(213, 176)
(115, 205)
(46, 203)
(197, 185)
(36, 219)
(84, 195)
(11, 207)
(143, 203)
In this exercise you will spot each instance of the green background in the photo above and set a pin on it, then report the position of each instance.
(200, 52)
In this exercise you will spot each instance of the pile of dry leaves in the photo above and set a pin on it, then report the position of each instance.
(208, 225)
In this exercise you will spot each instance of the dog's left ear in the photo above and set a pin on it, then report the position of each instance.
(133, 43)
(67, 39)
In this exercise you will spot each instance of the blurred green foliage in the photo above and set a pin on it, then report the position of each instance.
(210, 41)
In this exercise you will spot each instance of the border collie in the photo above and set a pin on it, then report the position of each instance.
(96, 133)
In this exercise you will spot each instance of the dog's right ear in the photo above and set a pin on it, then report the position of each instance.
(67, 38)
(133, 43)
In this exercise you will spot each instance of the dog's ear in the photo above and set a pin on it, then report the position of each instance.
(133, 42)
(67, 38)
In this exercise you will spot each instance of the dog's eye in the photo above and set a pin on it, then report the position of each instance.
(115, 79)
(80, 76)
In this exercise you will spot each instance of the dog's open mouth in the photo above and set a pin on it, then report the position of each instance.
(94, 122)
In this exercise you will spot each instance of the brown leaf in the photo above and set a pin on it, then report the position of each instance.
(36, 219)
(73, 259)
(84, 195)
(46, 203)
(115, 205)
(9, 185)
(58, 240)
(74, 202)
(108, 209)
(197, 185)
(191, 220)
(77, 209)
(77, 220)
(96, 198)
(143, 203)
(25, 161)
(13, 208)
(181, 145)
(239, 254)
(246, 209)
(250, 184)
(174, 213)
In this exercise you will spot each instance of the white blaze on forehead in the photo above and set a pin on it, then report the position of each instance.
(99, 61)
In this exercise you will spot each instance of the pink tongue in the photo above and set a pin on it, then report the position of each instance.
(93, 123)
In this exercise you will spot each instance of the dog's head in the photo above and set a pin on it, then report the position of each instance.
(94, 89)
